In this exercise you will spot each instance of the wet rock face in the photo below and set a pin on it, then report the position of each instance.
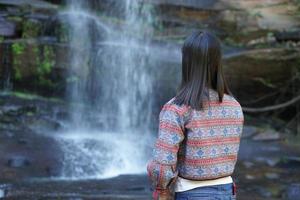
(40, 65)
(7, 29)
(228, 16)
(15, 16)
(37, 4)
(25, 149)
(22, 54)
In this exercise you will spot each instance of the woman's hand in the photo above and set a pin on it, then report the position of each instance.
(162, 195)
(165, 198)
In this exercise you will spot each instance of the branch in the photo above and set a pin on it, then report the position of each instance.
(271, 108)
(260, 98)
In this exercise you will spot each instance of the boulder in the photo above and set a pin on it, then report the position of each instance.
(271, 175)
(18, 161)
(258, 73)
(293, 191)
(267, 135)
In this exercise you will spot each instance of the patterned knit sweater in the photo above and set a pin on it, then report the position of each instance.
(197, 145)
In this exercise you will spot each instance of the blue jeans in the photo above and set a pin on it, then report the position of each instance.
(216, 192)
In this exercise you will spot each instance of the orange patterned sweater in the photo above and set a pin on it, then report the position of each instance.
(197, 145)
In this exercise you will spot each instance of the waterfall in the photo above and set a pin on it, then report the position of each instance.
(109, 87)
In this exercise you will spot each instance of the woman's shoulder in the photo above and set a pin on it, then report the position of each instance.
(171, 105)
(236, 104)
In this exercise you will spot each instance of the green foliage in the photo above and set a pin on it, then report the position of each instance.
(30, 29)
(31, 96)
(256, 14)
(17, 49)
(265, 82)
(232, 42)
(109, 19)
(270, 34)
(42, 64)
(15, 18)
(48, 61)
(297, 3)
(29, 113)
(72, 79)
(23, 95)
(45, 82)
(45, 60)
(63, 33)
(18, 74)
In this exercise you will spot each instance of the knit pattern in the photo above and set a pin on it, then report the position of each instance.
(197, 145)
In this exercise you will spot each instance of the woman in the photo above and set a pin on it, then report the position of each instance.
(199, 129)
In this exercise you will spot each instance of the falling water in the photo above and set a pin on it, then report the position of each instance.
(110, 86)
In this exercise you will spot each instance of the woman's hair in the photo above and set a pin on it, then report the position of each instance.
(201, 69)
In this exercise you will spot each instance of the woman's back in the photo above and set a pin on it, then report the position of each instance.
(212, 136)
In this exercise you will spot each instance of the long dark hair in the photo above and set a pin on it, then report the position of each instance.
(201, 69)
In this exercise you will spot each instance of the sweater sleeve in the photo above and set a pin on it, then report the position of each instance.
(162, 168)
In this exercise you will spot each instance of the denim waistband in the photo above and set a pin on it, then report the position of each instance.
(215, 189)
